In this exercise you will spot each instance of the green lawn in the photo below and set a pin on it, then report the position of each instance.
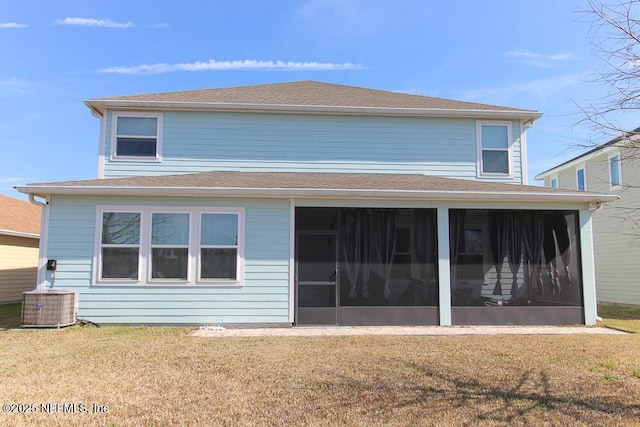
(161, 376)
(620, 317)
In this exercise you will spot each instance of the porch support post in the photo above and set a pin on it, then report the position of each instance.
(292, 261)
(588, 268)
(444, 272)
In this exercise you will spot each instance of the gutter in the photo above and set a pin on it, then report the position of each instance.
(528, 115)
(19, 234)
(45, 190)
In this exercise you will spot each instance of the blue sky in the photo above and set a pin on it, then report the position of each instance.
(533, 54)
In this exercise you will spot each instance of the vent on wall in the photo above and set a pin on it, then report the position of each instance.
(48, 308)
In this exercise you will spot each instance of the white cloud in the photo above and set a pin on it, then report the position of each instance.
(539, 60)
(12, 25)
(541, 90)
(14, 179)
(91, 22)
(14, 85)
(246, 64)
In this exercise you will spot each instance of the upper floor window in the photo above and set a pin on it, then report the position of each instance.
(615, 175)
(553, 183)
(581, 179)
(494, 148)
(136, 136)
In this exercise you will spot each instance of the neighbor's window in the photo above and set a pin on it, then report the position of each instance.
(136, 136)
(219, 246)
(614, 170)
(120, 245)
(494, 148)
(554, 182)
(581, 179)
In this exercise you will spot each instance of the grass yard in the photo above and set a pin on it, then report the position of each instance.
(160, 376)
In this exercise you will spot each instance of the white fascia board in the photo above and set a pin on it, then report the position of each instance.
(337, 193)
(527, 115)
(19, 234)
(571, 164)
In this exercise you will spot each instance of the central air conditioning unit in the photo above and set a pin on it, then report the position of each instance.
(52, 308)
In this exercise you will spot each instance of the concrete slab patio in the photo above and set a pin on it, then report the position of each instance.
(309, 331)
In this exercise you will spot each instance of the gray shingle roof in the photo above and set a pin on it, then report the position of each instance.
(300, 94)
(284, 184)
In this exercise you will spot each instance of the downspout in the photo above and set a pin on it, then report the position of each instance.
(43, 243)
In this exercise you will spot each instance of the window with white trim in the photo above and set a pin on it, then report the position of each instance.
(494, 148)
(136, 136)
(120, 245)
(581, 179)
(218, 246)
(553, 182)
(615, 174)
(157, 246)
(169, 246)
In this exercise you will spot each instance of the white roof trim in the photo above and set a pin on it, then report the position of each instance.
(571, 164)
(19, 234)
(502, 196)
(101, 105)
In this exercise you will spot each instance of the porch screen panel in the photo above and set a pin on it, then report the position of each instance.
(517, 258)
(388, 258)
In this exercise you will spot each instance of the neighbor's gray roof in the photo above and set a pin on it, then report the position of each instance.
(304, 96)
(305, 184)
(619, 141)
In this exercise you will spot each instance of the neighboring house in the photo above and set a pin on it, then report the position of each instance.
(19, 237)
(612, 168)
(315, 203)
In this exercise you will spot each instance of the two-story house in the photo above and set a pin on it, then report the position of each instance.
(610, 168)
(314, 203)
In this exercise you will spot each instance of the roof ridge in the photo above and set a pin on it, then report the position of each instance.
(306, 93)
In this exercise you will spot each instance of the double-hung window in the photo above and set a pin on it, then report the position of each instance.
(157, 246)
(136, 136)
(615, 175)
(169, 246)
(218, 246)
(494, 148)
(120, 245)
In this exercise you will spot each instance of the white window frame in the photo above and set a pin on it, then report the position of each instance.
(480, 150)
(97, 258)
(200, 246)
(583, 168)
(611, 185)
(114, 136)
(150, 277)
(144, 262)
(551, 179)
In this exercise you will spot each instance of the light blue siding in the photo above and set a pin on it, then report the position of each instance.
(263, 298)
(200, 141)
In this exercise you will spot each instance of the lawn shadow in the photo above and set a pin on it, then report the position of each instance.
(431, 391)
(10, 316)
